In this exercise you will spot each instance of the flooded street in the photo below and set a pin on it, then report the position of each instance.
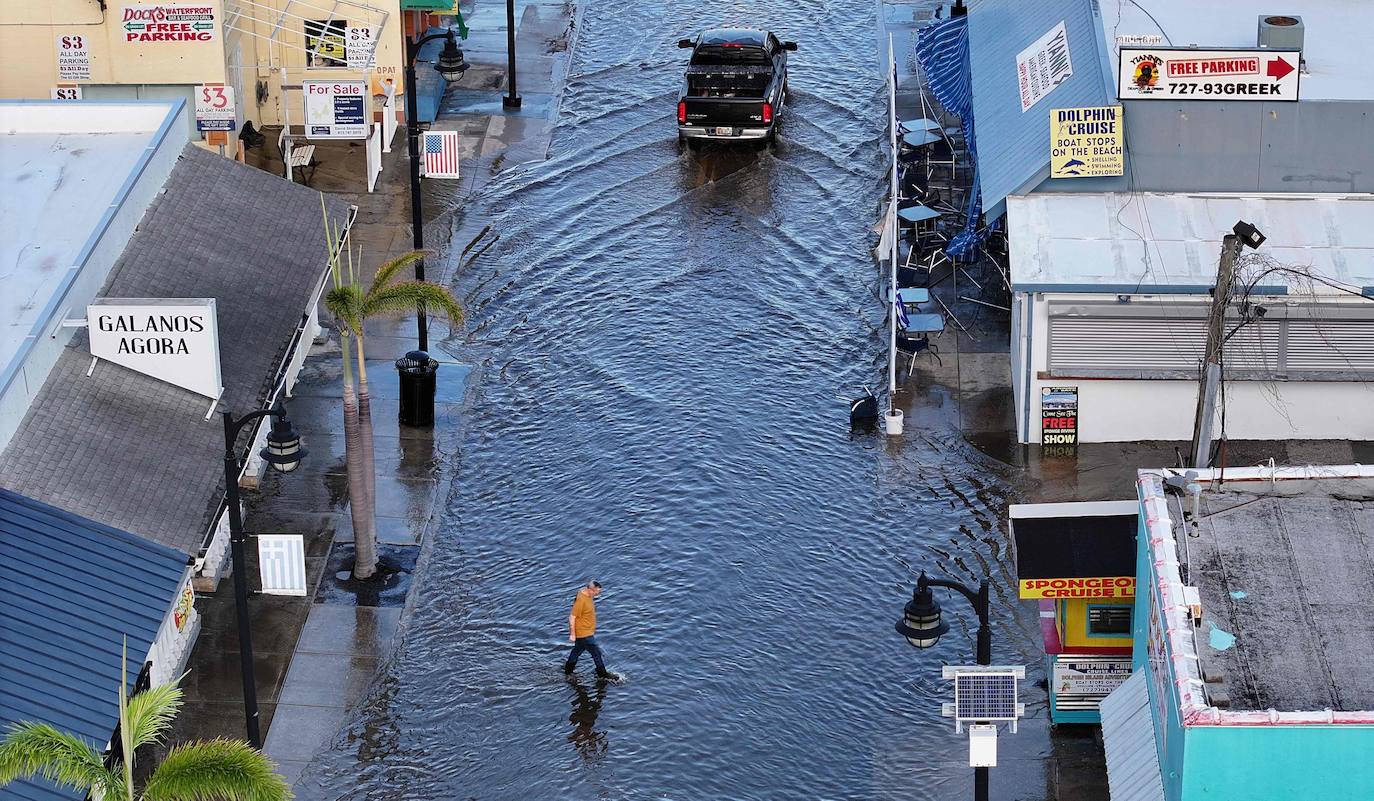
(663, 341)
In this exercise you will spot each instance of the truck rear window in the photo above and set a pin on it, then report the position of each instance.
(730, 55)
(728, 84)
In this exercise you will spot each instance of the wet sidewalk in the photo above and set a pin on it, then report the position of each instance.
(316, 656)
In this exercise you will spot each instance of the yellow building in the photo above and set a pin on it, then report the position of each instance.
(259, 51)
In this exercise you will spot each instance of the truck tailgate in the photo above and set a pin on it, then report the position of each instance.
(724, 111)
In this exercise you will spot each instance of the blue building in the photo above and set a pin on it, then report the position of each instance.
(1253, 639)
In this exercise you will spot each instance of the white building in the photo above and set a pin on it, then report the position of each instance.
(1111, 294)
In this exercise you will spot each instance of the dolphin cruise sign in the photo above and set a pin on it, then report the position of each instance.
(173, 340)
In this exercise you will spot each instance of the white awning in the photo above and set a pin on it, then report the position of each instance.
(1128, 733)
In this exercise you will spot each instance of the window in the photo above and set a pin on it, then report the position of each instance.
(1109, 620)
(325, 44)
(1167, 341)
(730, 55)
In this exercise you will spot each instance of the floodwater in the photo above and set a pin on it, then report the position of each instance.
(663, 343)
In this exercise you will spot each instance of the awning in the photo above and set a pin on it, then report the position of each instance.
(1128, 733)
(942, 50)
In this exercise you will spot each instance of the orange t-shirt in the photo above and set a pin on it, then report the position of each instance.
(584, 609)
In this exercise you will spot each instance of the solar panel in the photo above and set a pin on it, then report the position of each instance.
(985, 696)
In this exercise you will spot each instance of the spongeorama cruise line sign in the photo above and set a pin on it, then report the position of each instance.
(173, 340)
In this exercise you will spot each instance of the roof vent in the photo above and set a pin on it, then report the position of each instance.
(1280, 31)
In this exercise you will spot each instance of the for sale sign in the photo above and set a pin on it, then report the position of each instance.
(1154, 73)
(167, 22)
(335, 109)
(73, 57)
(215, 108)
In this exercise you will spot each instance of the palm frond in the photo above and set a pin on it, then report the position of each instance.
(404, 297)
(37, 749)
(216, 770)
(346, 303)
(388, 271)
(150, 713)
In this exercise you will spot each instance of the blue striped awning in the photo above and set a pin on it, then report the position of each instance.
(942, 51)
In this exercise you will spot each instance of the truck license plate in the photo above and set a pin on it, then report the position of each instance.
(725, 132)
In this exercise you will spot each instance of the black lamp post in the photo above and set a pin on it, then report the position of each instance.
(284, 453)
(512, 98)
(922, 626)
(451, 67)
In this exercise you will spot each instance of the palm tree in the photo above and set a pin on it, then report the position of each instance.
(225, 770)
(353, 306)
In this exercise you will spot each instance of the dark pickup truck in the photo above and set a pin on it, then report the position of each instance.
(735, 85)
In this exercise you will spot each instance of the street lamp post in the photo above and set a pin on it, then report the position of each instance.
(450, 67)
(922, 626)
(284, 453)
(512, 98)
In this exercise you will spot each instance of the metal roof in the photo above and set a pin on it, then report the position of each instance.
(71, 590)
(1128, 736)
(133, 452)
(1170, 242)
(1013, 145)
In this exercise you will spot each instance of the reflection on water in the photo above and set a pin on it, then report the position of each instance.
(590, 743)
(660, 337)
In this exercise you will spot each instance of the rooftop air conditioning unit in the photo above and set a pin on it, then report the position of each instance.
(1280, 31)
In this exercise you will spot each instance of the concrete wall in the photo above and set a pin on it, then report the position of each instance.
(1133, 410)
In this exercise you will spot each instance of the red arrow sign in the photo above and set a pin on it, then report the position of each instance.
(1278, 68)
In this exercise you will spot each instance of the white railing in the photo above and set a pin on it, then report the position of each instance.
(374, 155)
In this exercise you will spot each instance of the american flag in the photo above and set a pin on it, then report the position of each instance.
(440, 154)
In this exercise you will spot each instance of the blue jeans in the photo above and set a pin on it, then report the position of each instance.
(585, 644)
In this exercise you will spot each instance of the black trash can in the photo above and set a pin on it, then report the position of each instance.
(418, 375)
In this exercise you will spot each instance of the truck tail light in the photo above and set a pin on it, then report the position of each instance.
(767, 113)
(681, 112)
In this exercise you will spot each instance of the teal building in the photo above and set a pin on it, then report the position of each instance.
(1253, 656)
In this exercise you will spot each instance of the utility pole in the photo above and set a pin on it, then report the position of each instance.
(1210, 377)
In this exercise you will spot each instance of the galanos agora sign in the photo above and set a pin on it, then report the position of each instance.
(174, 340)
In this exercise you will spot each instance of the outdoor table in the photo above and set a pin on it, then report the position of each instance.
(909, 295)
(921, 138)
(917, 214)
(924, 323)
(923, 124)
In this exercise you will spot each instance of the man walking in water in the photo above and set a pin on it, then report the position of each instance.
(582, 630)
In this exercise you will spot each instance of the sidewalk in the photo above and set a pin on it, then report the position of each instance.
(316, 656)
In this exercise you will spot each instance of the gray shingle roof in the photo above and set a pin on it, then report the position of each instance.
(71, 590)
(132, 452)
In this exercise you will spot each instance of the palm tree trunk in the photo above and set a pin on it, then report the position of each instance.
(367, 450)
(364, 535)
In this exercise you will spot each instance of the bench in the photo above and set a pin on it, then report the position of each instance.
(297, 157)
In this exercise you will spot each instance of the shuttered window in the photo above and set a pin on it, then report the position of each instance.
(1167, 347)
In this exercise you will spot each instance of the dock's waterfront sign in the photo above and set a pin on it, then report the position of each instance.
(174, 340)
(1183, 73)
